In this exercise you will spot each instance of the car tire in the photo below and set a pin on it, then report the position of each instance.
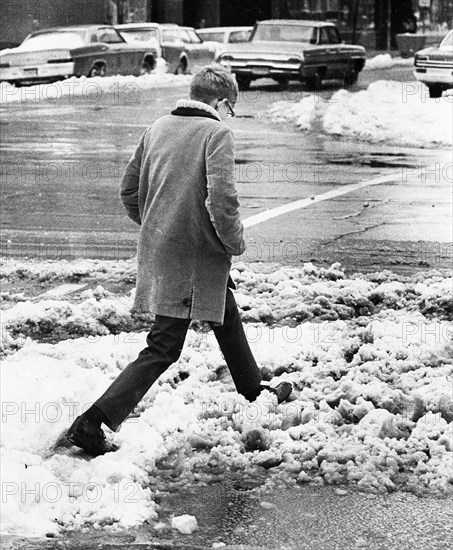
(351, 77)
(435, 90)
(243, 83)
(283, 83)
(147, 67)
(182, 67)
(314, 82)
(98, 70)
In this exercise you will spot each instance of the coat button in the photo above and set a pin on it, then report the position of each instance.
(186, 302)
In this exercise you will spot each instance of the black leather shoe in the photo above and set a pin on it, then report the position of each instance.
(89, 437)
(282, 391)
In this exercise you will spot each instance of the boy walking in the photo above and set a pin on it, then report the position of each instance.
(179, 186)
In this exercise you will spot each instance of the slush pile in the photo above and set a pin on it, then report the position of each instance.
(370, 358)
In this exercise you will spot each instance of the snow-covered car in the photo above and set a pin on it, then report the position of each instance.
(56, 53)
(225, 35)
(180, 47)
(434, 66)
(220, 37)
(309, 51)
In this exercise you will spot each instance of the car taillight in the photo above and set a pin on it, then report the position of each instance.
(294, 60)
(68, 60)
(4, 65)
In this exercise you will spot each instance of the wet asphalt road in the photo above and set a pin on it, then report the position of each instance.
(297, 518)
(62, 162)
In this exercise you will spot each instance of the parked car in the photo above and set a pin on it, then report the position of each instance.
(180, 47)
(225, 35)
(309, 51)
(56, 53)
(219, 37)
(434, 66)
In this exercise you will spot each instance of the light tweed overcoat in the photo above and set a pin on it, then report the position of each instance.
(179, 185)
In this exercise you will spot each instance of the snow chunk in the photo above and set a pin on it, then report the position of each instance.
(185, 524)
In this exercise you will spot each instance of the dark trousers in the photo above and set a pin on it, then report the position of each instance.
(164, 345)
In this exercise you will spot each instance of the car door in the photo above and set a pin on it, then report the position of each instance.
(340, 59)
(198, 53)
(172, 47)
(123, 58)
(327, 53)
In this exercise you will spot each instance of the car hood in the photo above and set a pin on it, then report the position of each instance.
(437, 53)
(270, 48)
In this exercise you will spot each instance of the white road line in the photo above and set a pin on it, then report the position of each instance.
(296, 205)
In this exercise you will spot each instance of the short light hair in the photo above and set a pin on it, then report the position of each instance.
(214, 82)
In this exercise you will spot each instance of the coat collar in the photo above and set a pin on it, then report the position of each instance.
(190, 107)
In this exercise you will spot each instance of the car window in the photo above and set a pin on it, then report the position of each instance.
(193, 36)
(51, 40)
(109, 36)
(140, 35)
(447, 42)
(172, 35)
(323, 36)
(239, 36)
(334, 35)
(213, 36)
(285, 33)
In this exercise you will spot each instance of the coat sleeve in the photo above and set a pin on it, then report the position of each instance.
(222, 201)
(130, 183)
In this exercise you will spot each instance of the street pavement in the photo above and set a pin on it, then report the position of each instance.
(62, 162)
(233, 516)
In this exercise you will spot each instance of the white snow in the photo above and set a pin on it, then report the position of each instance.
(397, 113)
(185, 524)
(386, 61)
(370, 359)
(92, 89)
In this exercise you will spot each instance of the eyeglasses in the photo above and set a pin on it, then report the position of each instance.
(231, 112)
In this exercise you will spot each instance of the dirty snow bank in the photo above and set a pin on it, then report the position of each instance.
(281, 296)
(386, 61)
(93, 89)
(397, 113)
(371, 404)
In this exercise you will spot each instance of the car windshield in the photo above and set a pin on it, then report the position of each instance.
(284, 33)
(239, 36)
(140, 35)
(53, 40)
(171, 36)
(447, 42)
(212, 36)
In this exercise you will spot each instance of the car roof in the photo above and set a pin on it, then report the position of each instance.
(224, 29)
(148, 26)
(136, 26)
(71, 28)
(298, 22)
